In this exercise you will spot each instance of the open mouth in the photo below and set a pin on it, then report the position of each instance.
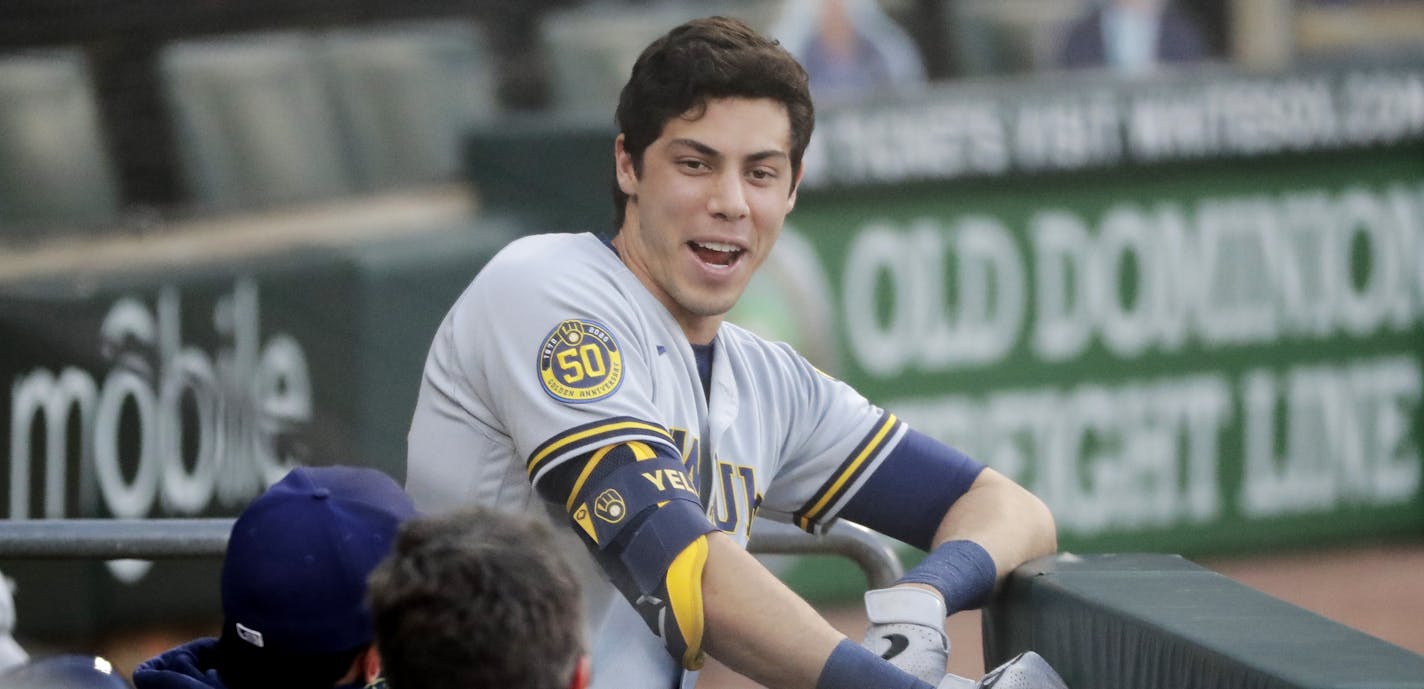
(716, 253)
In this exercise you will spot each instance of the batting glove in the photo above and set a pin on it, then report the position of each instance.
(907, 629)
(1027, 670)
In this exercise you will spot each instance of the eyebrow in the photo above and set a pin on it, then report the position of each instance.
(710, 152)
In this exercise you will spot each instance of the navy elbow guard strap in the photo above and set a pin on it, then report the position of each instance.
(638, 512)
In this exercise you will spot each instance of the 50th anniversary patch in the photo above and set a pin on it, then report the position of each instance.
(580, 362)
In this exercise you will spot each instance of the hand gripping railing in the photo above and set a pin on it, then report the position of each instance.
(154, 539)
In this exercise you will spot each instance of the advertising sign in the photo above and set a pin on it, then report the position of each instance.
(158, 393)
(1208, 357)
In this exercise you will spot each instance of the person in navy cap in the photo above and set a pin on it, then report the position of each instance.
(294, 588)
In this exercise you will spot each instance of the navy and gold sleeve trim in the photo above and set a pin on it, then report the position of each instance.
(871, 448)
(591, 436)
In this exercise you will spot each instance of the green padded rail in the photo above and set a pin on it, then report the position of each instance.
(1150, 621)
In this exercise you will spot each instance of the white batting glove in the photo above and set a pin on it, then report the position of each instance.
(953, 681)
(907, 629)
(1027, 670)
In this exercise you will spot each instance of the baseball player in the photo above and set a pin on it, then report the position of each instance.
(594, 381)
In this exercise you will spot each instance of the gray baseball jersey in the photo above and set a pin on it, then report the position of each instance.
(556, 349)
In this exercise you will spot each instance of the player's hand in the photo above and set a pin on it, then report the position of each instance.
(1027, 670)
(907, 629)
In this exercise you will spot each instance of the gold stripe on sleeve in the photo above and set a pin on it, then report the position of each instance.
(562, 443)
(843, 478)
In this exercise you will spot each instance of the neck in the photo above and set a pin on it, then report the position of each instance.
(364, 669)
(700, 330)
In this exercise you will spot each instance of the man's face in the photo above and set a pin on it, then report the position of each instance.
(707, 208)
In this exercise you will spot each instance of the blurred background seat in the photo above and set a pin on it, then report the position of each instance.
(1008, 36)
(253, 121)
(405, 96)
(591, 48)
(55, 175)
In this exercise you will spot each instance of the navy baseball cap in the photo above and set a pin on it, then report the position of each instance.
(66, 671)
(294, 576)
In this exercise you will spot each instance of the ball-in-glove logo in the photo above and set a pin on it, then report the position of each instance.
(609, 506)
(580, 362)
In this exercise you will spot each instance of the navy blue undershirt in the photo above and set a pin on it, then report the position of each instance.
(703, 354)
(909, 494)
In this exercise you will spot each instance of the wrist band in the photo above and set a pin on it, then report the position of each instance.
(961, 571)
(853, 667)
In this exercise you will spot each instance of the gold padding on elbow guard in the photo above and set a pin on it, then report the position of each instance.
(641, 452)
(684, 587)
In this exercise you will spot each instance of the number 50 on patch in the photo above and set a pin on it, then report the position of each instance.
(580, 362)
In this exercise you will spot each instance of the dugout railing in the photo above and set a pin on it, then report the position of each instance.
(149, 539)
(1131, 621)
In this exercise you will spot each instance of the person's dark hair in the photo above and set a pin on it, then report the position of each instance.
(476, 599)
(706, 59)
(244, 666)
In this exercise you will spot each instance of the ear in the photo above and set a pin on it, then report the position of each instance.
(795, 188)
(370, 661)
(582, 674)
(623, 169)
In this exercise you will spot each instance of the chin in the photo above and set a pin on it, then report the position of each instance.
(709, 310)
(705, 302)
(707, 307)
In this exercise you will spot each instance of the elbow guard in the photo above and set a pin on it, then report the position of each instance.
(637, 511)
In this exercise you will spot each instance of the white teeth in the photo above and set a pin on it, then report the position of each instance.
(718, 246)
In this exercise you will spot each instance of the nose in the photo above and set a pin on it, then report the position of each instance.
(728, 200)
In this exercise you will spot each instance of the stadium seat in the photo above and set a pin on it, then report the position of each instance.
(406, 95)
(993, 37)
(592, 48)
(55, 172)
(253, 121)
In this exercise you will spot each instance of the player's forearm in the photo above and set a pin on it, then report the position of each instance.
(992, 528)
(756, 625)
(1008, 521)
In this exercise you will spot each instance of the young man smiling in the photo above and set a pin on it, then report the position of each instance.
(596, 383)
(707, 203)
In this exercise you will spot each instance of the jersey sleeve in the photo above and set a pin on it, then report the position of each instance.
(911, 491)
(834, 439)
(847, 458)
(557, 351)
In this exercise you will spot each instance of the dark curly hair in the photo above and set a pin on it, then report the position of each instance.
(715, 57)
(476, 599)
